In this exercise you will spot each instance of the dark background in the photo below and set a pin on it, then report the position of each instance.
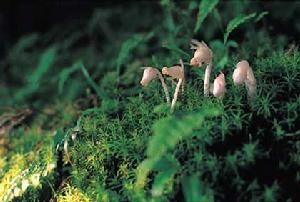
(18, 18)
(23, 17)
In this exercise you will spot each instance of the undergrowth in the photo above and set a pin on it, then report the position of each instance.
(97, 135)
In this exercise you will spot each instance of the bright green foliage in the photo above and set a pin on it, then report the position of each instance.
(65, 75)
(170, 130)
(195, 191)
(34, 79)
(111, 139)
(167, 133)
(205, 7)
(236, 22)
(70, 193)
(128, 46)
(261, 15)
(29, 166)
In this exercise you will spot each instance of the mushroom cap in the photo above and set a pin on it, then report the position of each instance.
(243, 64)
(219, 87)
(240, 73)
(164, 70)
(203, 55)
(149, 74)
(175, 72)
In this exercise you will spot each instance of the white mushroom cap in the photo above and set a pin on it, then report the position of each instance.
(202, 55)
(243, 74)
(219, 87)
(150, 73)
(176, 72)
(240, 73)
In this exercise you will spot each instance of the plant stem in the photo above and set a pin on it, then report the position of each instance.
(250, 84)
(164, 87)
(206, 79)
(183, 81)
(176, 94)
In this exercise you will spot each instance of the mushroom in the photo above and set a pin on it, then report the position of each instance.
(243, 74)
(151, 73)
(202, 55)
(219, 86)
(175, 72)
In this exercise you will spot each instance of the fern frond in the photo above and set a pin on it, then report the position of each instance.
(236, 22)
(205, 7)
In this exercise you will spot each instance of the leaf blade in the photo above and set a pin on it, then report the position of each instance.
(235, 22)
(205, 7)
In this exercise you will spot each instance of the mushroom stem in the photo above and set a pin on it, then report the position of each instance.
(164, 87)
(250, 84)
(206, 79)
(183, 81)
(176, 94)
(243, 74)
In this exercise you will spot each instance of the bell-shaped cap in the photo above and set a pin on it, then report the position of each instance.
(219, 87)
(176, 72)
(240, 73)
(202, 55)
(149, 74)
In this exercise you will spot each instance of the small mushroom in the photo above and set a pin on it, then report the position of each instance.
(151, 73)
(177, 73)
(243, 74)
(202, 55)
(219, 86)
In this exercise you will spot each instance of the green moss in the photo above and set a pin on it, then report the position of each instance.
(29, 165)
(91, 91)
(226, 149)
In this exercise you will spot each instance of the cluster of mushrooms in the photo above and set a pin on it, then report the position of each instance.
(242, 75)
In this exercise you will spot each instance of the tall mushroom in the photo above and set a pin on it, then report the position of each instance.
(243, 74)
(219, 86)
(151, 73)
(175, 72)
(202, 55)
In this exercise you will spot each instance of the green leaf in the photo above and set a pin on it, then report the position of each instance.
(25, 42)
(205, 7)
(170, 130)
(166, 165)
(161, 180)
(46, 61)
(64, 76)
(167, 133)
(100, 92)
(194, 190)
(128, 46)
(261, 15)
(236, 22)
(176, 49)
(169, 21)
(33, 80)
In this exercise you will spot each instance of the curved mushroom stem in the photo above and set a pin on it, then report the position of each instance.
(164, 87)
(176, 94)
(206, 79)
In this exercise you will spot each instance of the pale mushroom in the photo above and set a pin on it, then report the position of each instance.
(175, 72)
(243, 74)
(202, 56)
(151, 73)
(219, 86)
